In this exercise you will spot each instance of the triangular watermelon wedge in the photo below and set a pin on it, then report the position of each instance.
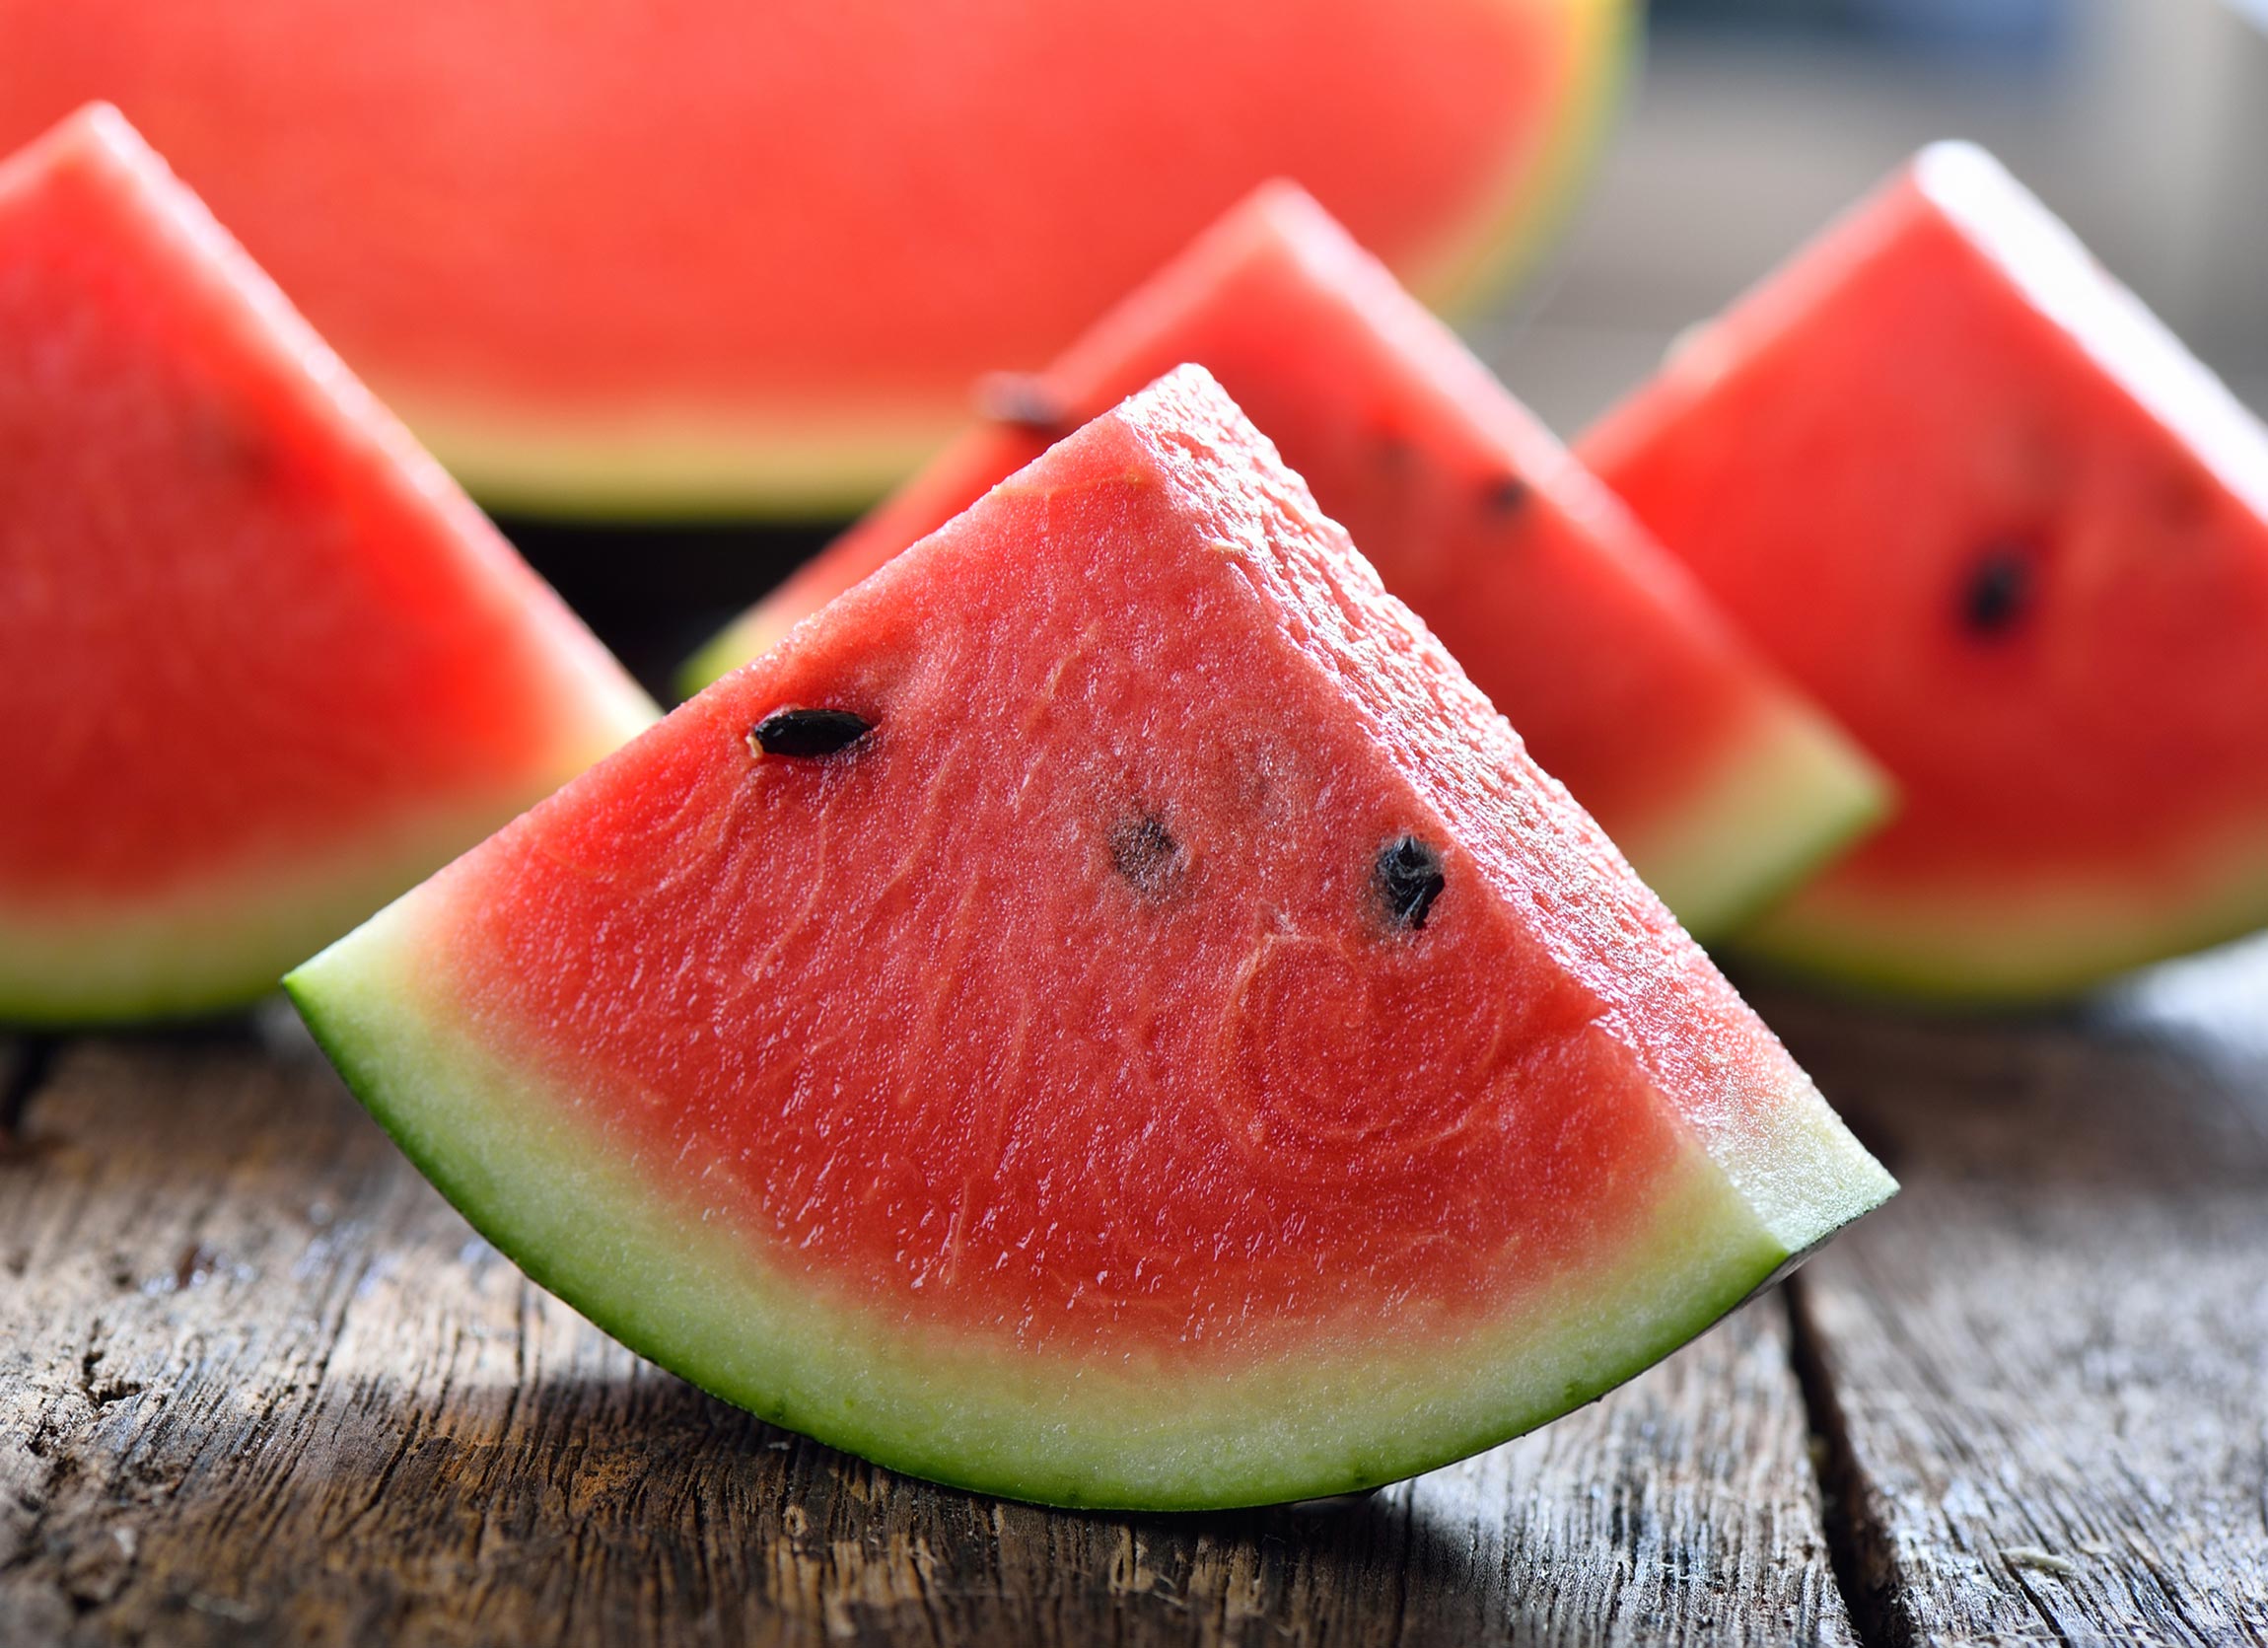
(1106, 1013)
(1964, 487)
(261, 665)
(1718, 778)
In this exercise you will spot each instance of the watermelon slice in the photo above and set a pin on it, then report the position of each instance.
(752, 255)
(1107, 1013)
(1716, 777)
(1968, 492)
(265, 667)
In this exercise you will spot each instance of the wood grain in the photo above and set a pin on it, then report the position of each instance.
(2044, 1367)
(259, 1383)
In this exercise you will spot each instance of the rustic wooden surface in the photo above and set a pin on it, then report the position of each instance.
(259, 1383)
(2041, 1374)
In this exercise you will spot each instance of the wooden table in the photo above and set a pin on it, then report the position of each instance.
(259, 1383)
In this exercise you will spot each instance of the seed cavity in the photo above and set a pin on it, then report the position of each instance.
(1408, 877)
(1506, 496)
(1023, 401)
(2000, 590)
(1396, 453)
(1144, 851)
(806, 732)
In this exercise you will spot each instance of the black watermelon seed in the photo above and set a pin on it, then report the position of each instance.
(1506, 496)
(1409, 878)
(808, 732)
(1144, 851)
(1999, 590)
(1023, 401)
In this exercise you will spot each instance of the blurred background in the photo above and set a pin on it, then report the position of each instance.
(2143, 122)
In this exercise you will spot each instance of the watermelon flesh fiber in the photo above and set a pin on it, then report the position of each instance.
(505, 256)
(265, 665)
(1042, 1093)
(1974, 497)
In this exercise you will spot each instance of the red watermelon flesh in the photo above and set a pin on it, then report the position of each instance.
(1713, 773)
(723, 256)
(1106, 1013)
(265, 665)
(1964, 488)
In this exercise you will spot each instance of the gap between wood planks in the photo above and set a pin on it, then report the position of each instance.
(1858, 1541)
(2036, 1377)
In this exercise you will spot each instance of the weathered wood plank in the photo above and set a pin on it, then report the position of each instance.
(2048, 1359)
(259, 1383)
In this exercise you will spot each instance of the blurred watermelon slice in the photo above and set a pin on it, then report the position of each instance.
(261, 664)
(723, 256)
(1961, 485)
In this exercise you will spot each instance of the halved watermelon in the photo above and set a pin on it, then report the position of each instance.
(1106, 1013)
(750, 256)
(1715, 776)
(1967, 491)
(264, 665)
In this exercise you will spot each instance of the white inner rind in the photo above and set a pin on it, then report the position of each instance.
(630, 1245)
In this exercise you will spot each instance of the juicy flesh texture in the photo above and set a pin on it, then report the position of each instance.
(1963, 488)
(1625, 684)
(599, 231)
(245, 623)
(1063, 1009)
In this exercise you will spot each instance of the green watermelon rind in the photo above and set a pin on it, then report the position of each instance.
(1773, 814)
(223, 940)
(743, 641)
(553, 1198)
(1533, 207)
(213, 948)
(675, 466)
(2001, 949)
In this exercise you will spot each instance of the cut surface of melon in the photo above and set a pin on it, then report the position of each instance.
(1165, 1047)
